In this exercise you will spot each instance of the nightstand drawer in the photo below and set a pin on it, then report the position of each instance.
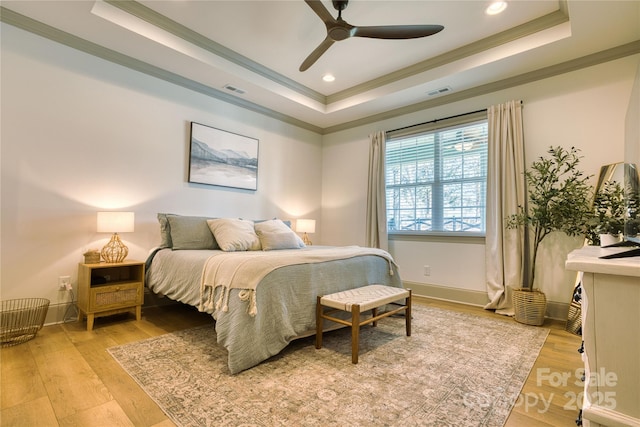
(108, 297)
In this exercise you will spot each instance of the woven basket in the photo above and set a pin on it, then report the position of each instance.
(21, 319)
(574, 319)
(92, 257)
(530, 306)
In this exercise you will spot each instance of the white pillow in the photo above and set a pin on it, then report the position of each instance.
(277, 226)
(234, 234)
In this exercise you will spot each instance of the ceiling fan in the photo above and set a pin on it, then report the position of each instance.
(338, 29)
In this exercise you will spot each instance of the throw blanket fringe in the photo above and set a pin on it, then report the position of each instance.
(245, 270)
(249, 295)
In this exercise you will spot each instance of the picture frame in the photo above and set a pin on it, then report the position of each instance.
(221, 158)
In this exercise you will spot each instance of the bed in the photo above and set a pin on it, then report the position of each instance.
(256, 321)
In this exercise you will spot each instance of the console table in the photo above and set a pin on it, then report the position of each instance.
(611, 335)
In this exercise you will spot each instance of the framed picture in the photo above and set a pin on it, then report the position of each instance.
(218, 157)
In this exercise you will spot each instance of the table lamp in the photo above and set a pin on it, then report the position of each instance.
(306, 226)
(115, 222)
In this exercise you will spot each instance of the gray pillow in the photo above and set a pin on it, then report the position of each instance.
(233, 234)
(165, 231)
(273, 240)
(190, 232)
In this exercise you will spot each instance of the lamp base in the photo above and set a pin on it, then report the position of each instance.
(306, 240)
(115, 251)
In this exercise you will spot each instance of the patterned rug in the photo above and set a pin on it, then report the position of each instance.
(455, 370)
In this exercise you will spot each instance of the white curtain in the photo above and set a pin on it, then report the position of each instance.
(376, 206)
(506, 251)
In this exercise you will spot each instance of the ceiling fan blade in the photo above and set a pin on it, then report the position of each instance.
(338, 29)
(320, 10)
(317, 53)
(397, 31)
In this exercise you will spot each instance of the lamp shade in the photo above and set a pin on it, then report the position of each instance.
(306, 226)
(115, 222)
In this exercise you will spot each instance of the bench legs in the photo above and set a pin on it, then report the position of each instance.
(355, 332)
(407, 314)
(355, 323)
(319, 323)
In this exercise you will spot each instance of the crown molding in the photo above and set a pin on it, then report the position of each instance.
(532, 76)
(36, 27)
(545, 22)
(149, 15)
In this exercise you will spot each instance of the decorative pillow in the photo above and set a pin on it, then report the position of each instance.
(234, 234)
(277, 226)
(270, 240)
(190, 232)
(165, 231)
(284, 221)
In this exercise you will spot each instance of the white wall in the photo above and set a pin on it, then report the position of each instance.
(584, 108)
(632, 124)
(80, 135)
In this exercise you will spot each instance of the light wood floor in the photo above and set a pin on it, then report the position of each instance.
(64, 377)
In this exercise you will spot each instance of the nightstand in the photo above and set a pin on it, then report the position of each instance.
(110, 288)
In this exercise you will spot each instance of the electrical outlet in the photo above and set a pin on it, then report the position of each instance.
(64, 283)
(427, 270)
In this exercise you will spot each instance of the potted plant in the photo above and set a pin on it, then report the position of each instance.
(609, 207)
(558, 200)
(632, 221)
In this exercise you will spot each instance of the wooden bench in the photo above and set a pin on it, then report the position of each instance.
(357, 301)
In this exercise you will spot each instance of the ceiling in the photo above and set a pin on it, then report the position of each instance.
(258, 46)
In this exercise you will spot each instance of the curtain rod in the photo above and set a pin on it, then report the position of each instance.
(437, 120)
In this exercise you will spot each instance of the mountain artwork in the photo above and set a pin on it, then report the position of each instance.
(222, 158)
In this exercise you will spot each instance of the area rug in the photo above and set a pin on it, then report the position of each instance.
(455, 370)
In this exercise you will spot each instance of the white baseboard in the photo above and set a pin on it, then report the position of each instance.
(61, 313)
(65, 312)
(555, 310)
(68, 311)
(462, 296)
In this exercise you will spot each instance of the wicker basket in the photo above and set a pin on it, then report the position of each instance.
(92, 257)
(530, 306)
(574, 319)
(21, 319)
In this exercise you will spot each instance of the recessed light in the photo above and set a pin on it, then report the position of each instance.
(328, 78)
(496, 7)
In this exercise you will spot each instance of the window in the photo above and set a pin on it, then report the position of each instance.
(436, 178)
